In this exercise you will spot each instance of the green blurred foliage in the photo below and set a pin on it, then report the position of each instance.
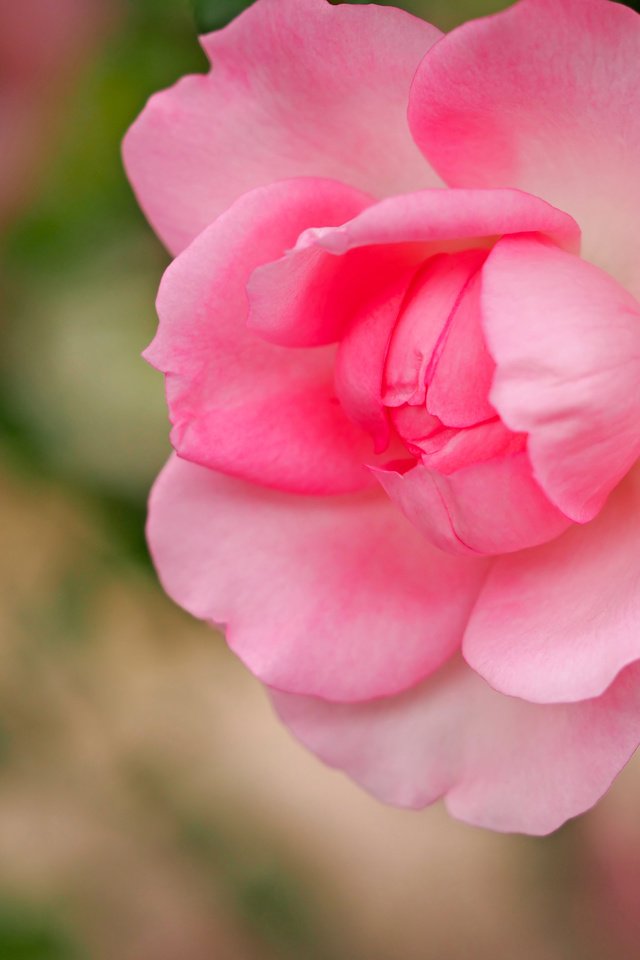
(27, 934)
(83, 252)
(213, 14)
(86, 200)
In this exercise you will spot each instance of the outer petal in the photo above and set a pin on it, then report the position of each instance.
(559, 622)
(298, 88)
(566, 341)
(237, 403)
(336, 597)
(488, 508)
(499, 762)
(545, 97)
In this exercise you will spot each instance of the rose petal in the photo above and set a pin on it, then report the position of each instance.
(499, 762)
(317, 293)
(559, 622)
(566, 341)
(239, 404)
(307, 299)
(423, 323)
(361, 358)
(298, 88)
(335, 596)
(545, 97)
(491, 507)
(432, 218)
(463, 371)
(449, 450)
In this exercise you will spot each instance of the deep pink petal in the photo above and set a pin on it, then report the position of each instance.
(298, 88)
(308, 298)
(237, 403)
(566, 341)
(423, 323)
(490, 507)
(463, 372)
(417, 427)
(361, 358)
(316, 293)
(559, 622)
(450, 449)
(545, 97)
(499, 762)
(337, 597)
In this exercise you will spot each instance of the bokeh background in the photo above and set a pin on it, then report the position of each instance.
(151, 807)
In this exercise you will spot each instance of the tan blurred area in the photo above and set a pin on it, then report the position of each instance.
(151, 806)
(150, 800)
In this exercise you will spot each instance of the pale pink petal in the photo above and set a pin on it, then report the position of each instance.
(566, 341)
(545, 97)
(237, 403)
(559, 622)
(338, 597)
(297, 88)
(490, 507)
(447, 220)
(499, 762)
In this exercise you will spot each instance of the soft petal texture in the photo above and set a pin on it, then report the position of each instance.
(237, 403)
(449, 449)
(389, 348)
(422, 324)
(306, 299)
(463, 370)
(499, 762)
(297, 88)
(490, 507)
(566, 341)
(559, 622)
(545, 97)
(337, 597)
(417, 427)
(447, 219)
(361, 357)
(317, 290)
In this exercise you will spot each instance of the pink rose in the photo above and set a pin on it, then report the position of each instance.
(407, 417)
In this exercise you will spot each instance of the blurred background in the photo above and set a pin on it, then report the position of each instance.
(151, 807)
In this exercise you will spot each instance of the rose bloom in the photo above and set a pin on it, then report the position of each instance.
(401, 343)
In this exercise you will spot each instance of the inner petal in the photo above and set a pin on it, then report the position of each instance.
(423, 324)
(462, 371)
